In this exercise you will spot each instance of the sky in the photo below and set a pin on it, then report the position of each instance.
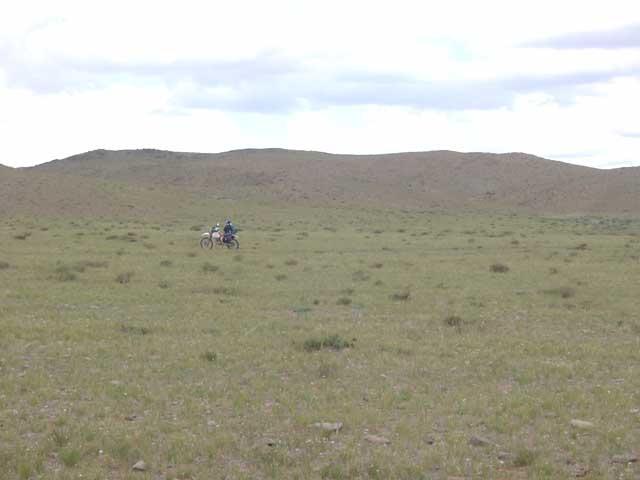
(558, 79)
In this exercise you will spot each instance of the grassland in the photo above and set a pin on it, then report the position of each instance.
(447, 346)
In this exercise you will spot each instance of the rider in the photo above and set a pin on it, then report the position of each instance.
(215, 229)
(229, 230)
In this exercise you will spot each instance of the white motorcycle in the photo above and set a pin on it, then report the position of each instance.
(209, 239)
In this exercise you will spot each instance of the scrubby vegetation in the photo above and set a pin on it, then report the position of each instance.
(245, 364)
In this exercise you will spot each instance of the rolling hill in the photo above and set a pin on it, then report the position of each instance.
(107, 182)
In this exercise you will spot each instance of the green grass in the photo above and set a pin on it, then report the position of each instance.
(199, 361)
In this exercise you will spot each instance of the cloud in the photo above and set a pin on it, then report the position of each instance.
(273, 82)
(629, 134)
(625, 37)
(302, 89)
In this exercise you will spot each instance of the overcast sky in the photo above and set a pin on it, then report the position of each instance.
(559, 79)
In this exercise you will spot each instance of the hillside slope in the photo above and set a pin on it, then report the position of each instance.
(440, 179)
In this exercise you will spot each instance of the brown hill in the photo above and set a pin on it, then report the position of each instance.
(441, 179)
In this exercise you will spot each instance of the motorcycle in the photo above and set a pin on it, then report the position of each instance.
(209, 239)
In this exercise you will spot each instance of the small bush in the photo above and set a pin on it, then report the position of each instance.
(453, 321)
(135, 330)
(124, 277)
(499, 268)
(25, 470)
(301, 310)
(360, 276)
(4, 265)
(70, 457)
(333, 342)
(163, 284)
(400, 296)
(22, 236)
(196, 228)
(564, 292)
(64, 274)
(60, 437)
(291, 262)
(166, 263)
(230, 291)
(191, 254)
(327, 370)
(344, 301)
(82, 265)
(209, 268)
(524, 457)
(376, 265)
(210, 356)
(281, 276)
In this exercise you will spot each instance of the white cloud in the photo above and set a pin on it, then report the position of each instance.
(353, 77)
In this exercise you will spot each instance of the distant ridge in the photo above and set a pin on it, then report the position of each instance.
(414, 180)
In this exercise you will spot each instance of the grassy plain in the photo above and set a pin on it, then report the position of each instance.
(448, 346)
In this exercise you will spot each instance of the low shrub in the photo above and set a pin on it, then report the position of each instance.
(524, 457)
(333, 342)
(64, 273)
(230, 291)
(360, 276)
(209, 268)
(499, 268)
(135, 330)
(210, 356)
(564, 292)
(453, 321)
(400, 296)
(124, 277)
(70, 457)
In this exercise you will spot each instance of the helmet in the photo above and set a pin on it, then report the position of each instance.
(217, 224)
(228, 222)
